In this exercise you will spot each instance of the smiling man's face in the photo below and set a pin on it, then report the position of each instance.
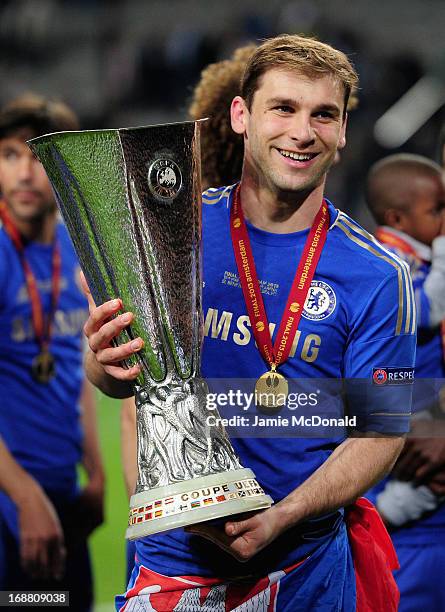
(293, 130)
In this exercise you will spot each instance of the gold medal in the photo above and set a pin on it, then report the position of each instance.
(43, 367)
(271, 391)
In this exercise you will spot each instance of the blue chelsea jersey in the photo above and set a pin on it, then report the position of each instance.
(359, 319)
(367, 319)
(40, 422)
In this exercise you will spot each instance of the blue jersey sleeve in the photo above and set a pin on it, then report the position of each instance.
(379, 359)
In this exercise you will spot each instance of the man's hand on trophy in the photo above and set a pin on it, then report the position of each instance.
(101, 327)
(245, 538)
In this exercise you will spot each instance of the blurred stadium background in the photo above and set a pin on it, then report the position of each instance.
(135, 62)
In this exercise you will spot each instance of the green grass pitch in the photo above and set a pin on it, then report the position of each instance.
(107, 544)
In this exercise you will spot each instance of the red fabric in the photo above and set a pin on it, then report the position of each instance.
(160, 593)
(374, 559)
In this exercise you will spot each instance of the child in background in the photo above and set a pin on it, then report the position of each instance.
(406, 196)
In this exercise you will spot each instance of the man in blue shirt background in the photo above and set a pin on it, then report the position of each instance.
(47, 408)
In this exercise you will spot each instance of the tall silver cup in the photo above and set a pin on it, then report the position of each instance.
(131, 202)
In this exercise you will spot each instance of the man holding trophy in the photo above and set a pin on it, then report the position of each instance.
(273, 229)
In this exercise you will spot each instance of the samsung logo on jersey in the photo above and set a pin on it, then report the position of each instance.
(393, 376)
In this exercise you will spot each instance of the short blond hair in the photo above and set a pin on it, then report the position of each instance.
(306, 56)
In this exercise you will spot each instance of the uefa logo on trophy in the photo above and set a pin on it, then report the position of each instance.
(131, 200)
(164, 178)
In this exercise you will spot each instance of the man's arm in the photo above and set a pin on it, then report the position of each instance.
(103, 361)
(92, 496)
(98, 376)
(353, 467)
(128, 444)
(42, 550)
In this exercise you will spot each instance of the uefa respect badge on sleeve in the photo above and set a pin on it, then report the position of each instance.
(393, 376)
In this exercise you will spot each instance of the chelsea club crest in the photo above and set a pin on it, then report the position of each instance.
(320, 302)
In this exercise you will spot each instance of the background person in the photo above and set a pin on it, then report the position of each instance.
(47, 414)
(222, 149)
(406, 195)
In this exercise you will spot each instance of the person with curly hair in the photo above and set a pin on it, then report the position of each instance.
(222, 150)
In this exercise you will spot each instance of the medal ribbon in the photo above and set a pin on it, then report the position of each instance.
(397, 242)
(42, 332)
(277, 353)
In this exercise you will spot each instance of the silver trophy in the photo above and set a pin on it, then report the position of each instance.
(131, 202)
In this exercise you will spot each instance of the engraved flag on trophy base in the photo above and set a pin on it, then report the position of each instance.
(132, 204)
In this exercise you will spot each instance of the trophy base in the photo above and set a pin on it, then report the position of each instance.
(195, 501)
